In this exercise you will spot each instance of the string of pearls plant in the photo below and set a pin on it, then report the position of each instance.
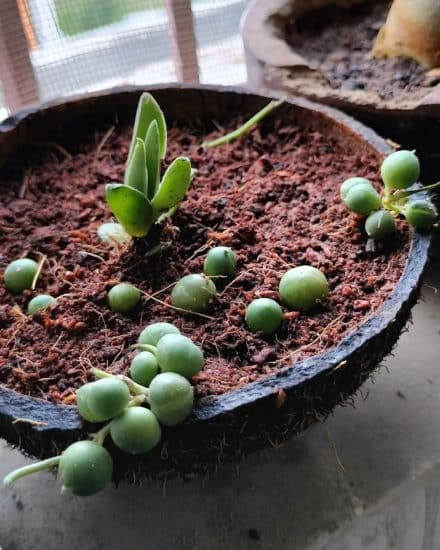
(133, 412)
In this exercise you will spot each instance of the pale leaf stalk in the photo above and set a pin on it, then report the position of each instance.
(246, 127)
(134, 387)
(13, 476)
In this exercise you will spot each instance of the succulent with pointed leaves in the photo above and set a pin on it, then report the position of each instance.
(144, 198)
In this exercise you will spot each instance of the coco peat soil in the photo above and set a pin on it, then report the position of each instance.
(272, 196)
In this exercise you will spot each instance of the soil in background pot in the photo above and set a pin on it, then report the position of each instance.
(339, 41)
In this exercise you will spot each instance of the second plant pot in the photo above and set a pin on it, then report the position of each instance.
(320, 50)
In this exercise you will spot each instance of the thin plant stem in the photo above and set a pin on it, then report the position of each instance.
(37, 274)
(100, 436)
(146, 347)
(246, 127)
(166, 304)
(134, 387)
(138, 400)
(31, 469)
(157, 249)
(404, 194)
(101, 373)
(389, 204)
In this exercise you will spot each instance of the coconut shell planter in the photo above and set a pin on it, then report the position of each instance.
(271, 198)
(322, 50)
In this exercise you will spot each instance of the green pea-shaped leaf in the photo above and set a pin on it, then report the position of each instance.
(175, 183)
(131, 208)
(153, 158)
(136, 175)
(147, 111)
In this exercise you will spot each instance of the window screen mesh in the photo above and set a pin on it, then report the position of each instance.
(78, 46)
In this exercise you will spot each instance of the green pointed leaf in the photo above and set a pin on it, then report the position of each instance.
(130, 207)
(147, 111)
(136, 175)
(175, 183)
(153, 158)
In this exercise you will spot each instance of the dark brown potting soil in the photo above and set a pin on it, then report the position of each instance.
(338, 41)
(273, 197)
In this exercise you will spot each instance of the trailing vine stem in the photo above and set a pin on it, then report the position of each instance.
(100, 436)
(246, 127)
(404, 194)
(147, 347)
(135, 388)
(391, 200)
(31, 469)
